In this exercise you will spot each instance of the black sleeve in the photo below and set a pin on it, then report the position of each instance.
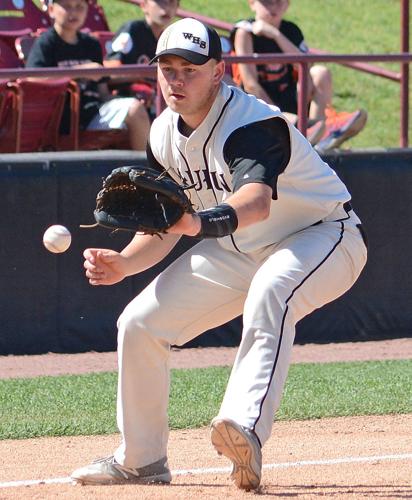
(41, 55)
(153, 163)
(96, 52)
(258, 152)
(294, 34)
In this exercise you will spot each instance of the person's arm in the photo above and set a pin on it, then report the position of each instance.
(41, 54)
(262, 28)
(251, 203)
(107, 267)
(256, 155)
(243, 45)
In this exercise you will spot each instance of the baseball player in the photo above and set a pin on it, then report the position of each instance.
(278, 239)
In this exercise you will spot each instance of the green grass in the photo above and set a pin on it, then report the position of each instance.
(85, 405)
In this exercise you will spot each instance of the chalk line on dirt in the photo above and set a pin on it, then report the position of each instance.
(223, 470)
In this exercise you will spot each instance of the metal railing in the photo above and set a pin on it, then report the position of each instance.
(303, 60)
(360, 62)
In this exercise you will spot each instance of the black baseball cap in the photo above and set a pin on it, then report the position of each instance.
(189, 38)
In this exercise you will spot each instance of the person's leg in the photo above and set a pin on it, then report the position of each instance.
(138, 123)
(195, 294)
(202, 289)
(339, 126)
(122, 113)
(306, 271)
(321, 91)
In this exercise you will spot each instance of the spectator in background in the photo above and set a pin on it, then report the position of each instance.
(135, 43)
(65, 46)
(276, 83)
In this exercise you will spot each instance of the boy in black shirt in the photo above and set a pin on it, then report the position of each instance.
(135, 43)
(276, 83)
(65, 46)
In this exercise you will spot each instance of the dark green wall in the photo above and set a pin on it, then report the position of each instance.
(46, 303)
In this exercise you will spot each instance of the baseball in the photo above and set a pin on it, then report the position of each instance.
(57, 238)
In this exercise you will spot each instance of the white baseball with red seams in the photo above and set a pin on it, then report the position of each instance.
(57, 238)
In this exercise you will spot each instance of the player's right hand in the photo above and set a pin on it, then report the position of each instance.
(103, 266)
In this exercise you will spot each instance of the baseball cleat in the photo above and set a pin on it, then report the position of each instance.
(108, 471)
(241, 446)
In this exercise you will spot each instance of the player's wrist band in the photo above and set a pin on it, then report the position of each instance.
(217, 222)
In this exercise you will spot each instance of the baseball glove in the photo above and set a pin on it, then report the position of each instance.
(140, 199)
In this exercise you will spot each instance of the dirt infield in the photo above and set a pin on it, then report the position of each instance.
(341, 458)
(60, 364)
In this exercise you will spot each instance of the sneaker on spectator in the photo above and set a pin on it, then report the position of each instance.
(315, 131)
(340, 126)
(108, 471)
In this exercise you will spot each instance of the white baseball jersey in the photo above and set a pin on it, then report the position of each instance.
(306, 191)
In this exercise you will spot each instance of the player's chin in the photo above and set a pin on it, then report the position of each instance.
(175, 102)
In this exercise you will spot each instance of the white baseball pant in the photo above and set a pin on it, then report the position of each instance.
(274, 287)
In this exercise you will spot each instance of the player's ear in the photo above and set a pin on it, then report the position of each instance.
(219, 71)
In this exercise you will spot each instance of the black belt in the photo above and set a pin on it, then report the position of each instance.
(347, 206)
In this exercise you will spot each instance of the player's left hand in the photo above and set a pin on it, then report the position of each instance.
(104, 266)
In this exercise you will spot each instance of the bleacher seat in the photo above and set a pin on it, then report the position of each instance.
(22, 15)
(105, 39)
(89, 139)
(23, 45)
(38, 110)
(19, 18)
(8, 57)
(9, 116)
(96, 19)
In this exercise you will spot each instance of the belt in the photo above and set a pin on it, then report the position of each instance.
(347, 206)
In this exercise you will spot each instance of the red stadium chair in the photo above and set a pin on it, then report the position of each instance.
(23, 45)
(105, 39)
(38, 113)
(90, 139)
(8, 57)
(96, 18)
(103, 139)
(9, 116)
(21, 15)
(19, 18)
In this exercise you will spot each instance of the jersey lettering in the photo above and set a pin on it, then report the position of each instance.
(203, 179)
